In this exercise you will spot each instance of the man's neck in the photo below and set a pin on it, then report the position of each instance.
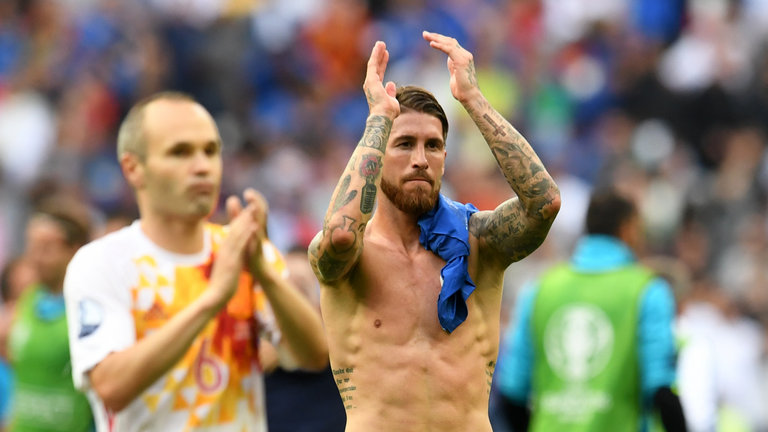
(177, 235)
(396, 226)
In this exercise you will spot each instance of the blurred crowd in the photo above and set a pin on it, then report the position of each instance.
(665, 99)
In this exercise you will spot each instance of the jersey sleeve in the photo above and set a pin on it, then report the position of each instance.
(656, 348)
(98, 305)
(515, 367)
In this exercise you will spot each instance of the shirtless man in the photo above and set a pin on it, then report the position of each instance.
(398, 368)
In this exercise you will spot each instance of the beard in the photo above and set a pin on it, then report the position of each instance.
(415, 203)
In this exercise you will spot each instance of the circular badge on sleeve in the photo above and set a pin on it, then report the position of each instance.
(91, 316)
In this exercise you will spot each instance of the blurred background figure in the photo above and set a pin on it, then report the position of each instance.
(16, 275)
(592, 344)
(44, 397)
(720, 378)
(303, 401)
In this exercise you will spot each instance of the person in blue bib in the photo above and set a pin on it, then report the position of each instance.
(591, 344)
(411, 293)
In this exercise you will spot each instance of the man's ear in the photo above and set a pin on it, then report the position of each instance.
(445, 157)
(133, 170)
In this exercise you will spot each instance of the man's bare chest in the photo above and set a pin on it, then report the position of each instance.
(395, 287)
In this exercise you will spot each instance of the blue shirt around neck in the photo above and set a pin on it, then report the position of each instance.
(445, 231)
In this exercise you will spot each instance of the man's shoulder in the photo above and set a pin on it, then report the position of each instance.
(105, 248)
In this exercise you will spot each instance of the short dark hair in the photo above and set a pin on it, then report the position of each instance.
(608, 211)
(73, 217)
(413, 98)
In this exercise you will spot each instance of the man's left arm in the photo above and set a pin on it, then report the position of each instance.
(299, 323)
(519, 225)
(657, 354)
(303, 339)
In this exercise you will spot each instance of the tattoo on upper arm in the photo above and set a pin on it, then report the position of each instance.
(370, 169)
(347, 390)
(507, 231)
(330, 266)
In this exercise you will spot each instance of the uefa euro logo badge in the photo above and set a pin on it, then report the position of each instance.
(578, 342)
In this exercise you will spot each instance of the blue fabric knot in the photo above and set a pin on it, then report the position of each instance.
(445, 231)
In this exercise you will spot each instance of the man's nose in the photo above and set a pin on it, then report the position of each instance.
(419, 157)
(201, 163)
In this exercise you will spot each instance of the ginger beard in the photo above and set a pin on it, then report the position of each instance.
(416, 202)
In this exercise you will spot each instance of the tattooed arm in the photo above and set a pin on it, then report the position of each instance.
(335, 250)
(518, 226)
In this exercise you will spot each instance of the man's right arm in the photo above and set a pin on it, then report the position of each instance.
(335, 250)
(123, 374)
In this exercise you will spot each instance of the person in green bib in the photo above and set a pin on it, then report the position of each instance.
(44, 397)
(591, 344)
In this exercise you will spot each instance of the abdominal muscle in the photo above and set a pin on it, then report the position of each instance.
(395, 368)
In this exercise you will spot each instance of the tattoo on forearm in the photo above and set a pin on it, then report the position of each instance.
(347, 390)
(343, 198)
(347, 225)
(497, 130)
(370, 168)
(376, 133)
(351, 163)
(518, 226)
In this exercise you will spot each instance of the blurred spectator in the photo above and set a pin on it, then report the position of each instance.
(44, 397)
(591, 347)
(16, 276)
(721, 381)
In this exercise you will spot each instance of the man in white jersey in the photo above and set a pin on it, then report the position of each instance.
(166, 315)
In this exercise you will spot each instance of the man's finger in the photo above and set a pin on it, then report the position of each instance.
(391, 89)
(383, 62)
(445, 44)
(234, 207)
(374, 61)
(251, 195)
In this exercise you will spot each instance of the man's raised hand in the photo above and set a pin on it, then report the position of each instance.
(461, 65)
(380, 97)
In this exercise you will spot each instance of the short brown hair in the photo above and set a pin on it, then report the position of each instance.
(131, 137)
(73, 217)
(413, 98)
